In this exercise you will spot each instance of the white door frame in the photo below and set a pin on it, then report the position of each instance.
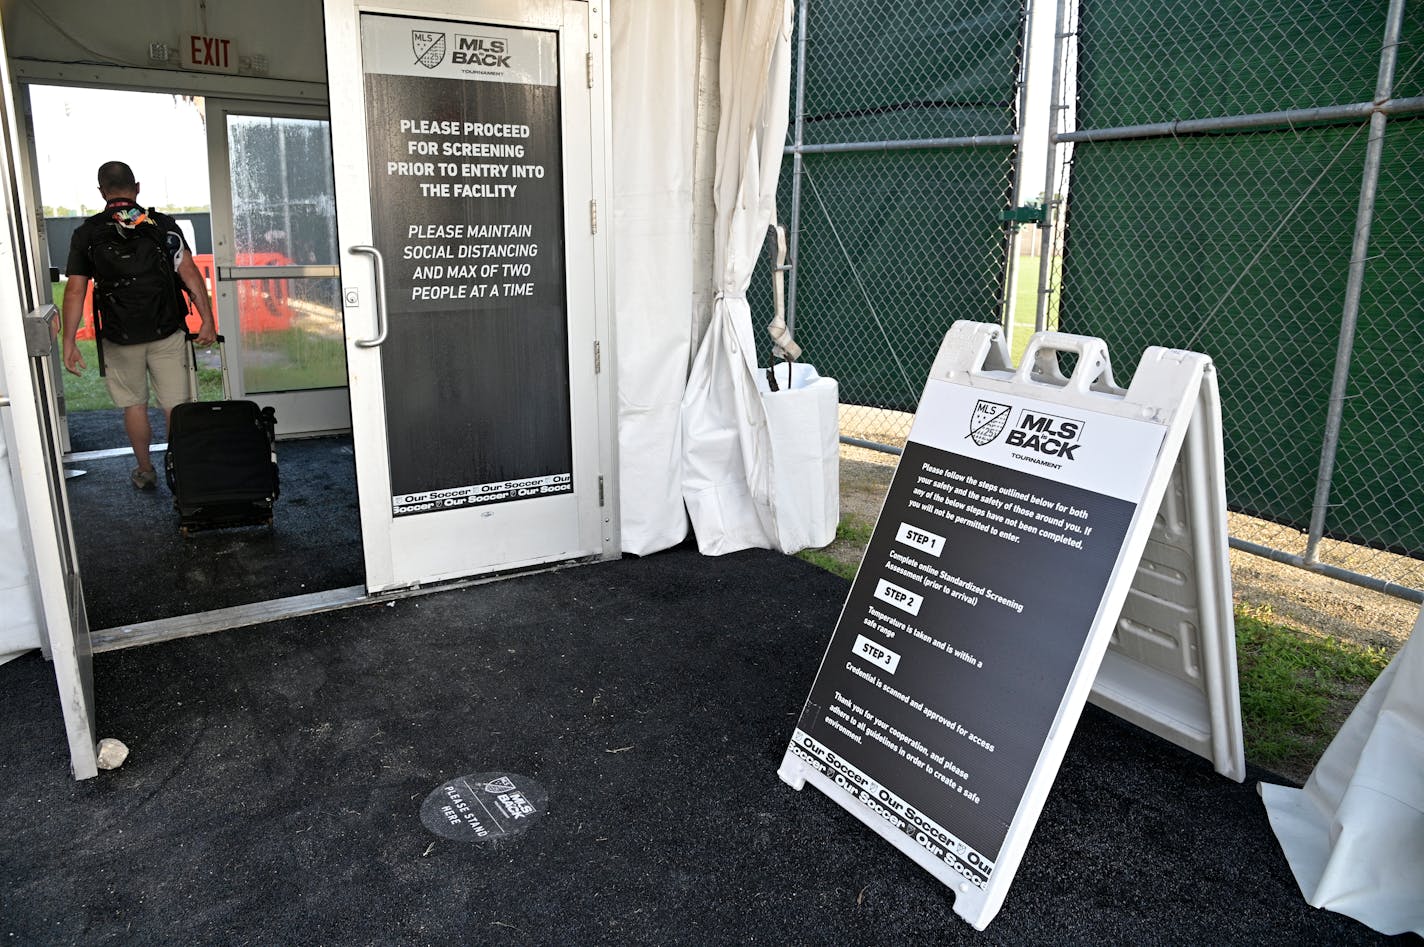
(418, 549)
(40, 487)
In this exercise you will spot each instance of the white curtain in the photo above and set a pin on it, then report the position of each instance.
(727, 472)
(654, 97)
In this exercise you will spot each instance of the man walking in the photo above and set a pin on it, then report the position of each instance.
(136, 258)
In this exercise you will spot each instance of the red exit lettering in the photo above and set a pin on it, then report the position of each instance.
(210, 52)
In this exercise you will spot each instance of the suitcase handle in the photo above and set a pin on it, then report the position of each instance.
(192, 338)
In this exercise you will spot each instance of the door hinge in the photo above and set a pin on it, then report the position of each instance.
(597, 357)
(600, 489)
(593, 216)
(588, 58)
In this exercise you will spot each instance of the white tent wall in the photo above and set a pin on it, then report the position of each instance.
(674, 85)
(656, 104)
(20, 627)
(704, 209)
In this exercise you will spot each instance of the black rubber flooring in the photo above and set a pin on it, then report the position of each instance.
(103, 429)
(137, 567)
(274, 790)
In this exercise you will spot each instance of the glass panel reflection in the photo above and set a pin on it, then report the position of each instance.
(283, 196)
(291, 334)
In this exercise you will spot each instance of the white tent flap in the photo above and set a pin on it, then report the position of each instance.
(728, 471)
(1354, 836)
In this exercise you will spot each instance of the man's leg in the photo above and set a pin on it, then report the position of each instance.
(168, 368)
(140, 434)
(127, 378)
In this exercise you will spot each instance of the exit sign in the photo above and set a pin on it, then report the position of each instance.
(210, 54)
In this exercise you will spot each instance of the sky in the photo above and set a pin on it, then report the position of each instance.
(161, 137)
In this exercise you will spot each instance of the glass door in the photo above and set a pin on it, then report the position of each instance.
(274, 267)
(469, 142)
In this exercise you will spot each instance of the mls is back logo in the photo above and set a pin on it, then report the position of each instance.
(988, 421)
(429, 48)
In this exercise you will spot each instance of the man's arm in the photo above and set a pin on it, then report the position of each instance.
(75, 289)
(198, 292)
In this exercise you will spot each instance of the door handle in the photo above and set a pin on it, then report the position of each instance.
(380, 266)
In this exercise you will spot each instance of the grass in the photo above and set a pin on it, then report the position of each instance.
(1025, 305)
(842, 556)
(1296, 687)
(291, 360)
(88, 392)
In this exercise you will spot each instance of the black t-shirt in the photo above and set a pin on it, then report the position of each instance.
(80, 264)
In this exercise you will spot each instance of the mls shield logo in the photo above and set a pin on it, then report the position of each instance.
(502, 784)
(988, 421)
(429, 48)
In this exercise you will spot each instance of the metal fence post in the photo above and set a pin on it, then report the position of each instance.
(799, 125)
(1349, 318)
(1050, 206)
(1016, 195)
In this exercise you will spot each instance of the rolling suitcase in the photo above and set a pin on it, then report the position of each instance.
(221, 462)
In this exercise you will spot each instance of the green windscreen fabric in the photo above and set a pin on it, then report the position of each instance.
(897, 245)
(1238, 244)
(1145, 61)
(1189, 246)
(1377, 494)
(901, 70)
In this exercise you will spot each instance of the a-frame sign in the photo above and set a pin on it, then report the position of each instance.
(1037, 522)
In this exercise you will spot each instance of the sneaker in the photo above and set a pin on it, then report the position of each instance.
(144, 479)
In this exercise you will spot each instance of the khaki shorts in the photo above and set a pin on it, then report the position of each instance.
(127, 369)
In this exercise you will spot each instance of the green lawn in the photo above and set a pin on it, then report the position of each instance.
(88, 392)
(1025, 306)
(1297, 688)
(292, 360)
(287, 367)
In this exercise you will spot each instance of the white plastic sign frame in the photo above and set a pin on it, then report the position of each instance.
(1170, 667)
(943, 742)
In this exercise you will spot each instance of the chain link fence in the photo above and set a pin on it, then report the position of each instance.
(1241, 179)
(901, 163)
(1237, 178)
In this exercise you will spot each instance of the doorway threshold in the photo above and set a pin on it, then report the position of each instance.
(105, 454)
(221, 619)
(295, 606)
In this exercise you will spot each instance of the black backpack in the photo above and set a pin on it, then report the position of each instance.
(136, 295)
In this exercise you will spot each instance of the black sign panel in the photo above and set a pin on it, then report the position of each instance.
(967, 620)
(468, 210)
